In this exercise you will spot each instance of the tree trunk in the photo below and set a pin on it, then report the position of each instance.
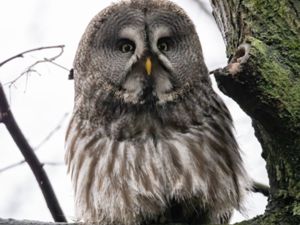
(267, 88)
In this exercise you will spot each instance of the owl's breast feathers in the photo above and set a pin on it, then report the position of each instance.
(131, 165)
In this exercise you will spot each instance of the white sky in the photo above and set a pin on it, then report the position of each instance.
(40, 101)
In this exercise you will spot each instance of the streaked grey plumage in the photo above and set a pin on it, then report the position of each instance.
(149, 142)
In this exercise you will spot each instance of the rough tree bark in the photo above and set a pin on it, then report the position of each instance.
(267, 87)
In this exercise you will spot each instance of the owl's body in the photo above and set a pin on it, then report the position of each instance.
(149, 139)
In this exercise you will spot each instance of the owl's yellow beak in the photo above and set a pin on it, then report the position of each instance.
(148, 66)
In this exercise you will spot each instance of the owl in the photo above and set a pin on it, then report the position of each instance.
(149, 140)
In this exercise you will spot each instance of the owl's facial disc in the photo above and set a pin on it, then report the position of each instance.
(145, 55)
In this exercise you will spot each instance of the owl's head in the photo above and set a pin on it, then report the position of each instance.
(139, 51)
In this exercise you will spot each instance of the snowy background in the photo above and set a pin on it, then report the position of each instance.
(40, 102)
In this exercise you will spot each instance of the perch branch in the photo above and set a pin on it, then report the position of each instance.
(8, 119)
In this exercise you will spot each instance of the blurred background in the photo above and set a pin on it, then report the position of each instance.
(42, 99)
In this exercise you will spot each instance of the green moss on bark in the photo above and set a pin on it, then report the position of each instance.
(277, 82)
(276, 24)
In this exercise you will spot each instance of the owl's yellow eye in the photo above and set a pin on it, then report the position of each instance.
(126, 46)
(164, 44)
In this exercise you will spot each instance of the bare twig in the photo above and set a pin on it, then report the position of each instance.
(27, 72)
(53, 163)
(30, 69)
(45, 140)
(20, 55)
(8, 119)
(52, 132)
(12, 166)
(56, 64)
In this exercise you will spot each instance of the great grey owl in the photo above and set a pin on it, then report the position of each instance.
(149, 140)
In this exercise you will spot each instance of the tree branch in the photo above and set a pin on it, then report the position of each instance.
(52, 132)
(13, 165)
(8, 119)
(20, 55)
(261, 188)
(31, 69)
(47, 138)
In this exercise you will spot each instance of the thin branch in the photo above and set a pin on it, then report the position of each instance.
(47, 163)
(27, 72)
(45, 140)
(20, 55)
(31, 69)
(11, 166)
(56, 64)
(8, 119)
(52, 132)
